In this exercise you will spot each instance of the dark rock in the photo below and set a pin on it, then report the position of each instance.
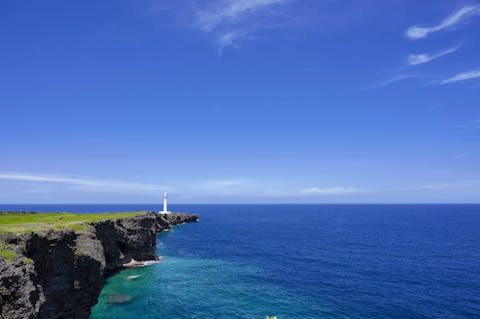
(19, 296)
(126, 239)
(179, 218)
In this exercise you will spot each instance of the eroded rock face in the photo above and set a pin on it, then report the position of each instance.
(127, 238)
(19, 296)
(180, 218)
(68, 269)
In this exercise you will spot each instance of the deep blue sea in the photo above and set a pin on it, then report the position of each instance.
(305, 262)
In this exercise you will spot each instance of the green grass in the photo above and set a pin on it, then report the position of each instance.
(21, 223)
(7, 251)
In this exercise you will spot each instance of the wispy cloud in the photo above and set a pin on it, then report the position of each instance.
(473, 74)
(463, 14)
(397, 78)
(460, 156)
(230, 10)
(470, 124)
(416, 59)
(326, 191)
(231, 21)
(229, 182)
(453, 185)
(229, 39)
(86, 184)
(226, 186)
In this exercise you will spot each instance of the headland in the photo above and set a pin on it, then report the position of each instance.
(53, 265)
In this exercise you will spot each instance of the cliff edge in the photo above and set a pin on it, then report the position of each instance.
(60, 273)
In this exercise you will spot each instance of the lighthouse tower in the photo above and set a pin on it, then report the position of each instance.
(165, 198)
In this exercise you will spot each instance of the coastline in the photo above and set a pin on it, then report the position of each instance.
(60, 273)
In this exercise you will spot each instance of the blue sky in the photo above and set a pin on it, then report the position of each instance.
(248, 101)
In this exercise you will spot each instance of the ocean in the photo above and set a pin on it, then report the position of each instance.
(303, 262)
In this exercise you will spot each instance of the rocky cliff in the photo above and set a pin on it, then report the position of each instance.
(59, 274)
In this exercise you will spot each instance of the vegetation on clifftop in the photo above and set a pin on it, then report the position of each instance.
(22, 223)
(7, 251)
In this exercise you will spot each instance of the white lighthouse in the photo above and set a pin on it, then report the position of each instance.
(165, 208)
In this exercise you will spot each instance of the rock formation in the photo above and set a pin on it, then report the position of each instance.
(59, 274)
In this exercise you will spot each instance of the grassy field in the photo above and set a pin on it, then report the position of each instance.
(21, 223)
(7, 251)
(24, 223)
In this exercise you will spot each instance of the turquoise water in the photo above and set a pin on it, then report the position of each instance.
(304, 261)
(183, 286)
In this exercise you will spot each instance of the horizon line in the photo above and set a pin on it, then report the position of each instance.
(272, 203)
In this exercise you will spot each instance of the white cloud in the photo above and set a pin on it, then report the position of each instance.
(325, 191)
(462, 77)
(415, 59)
(231, 21)
(397, 78)
(458, 16)
(464, 13)
(87, 184)
(228, 39)
(230, 10)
